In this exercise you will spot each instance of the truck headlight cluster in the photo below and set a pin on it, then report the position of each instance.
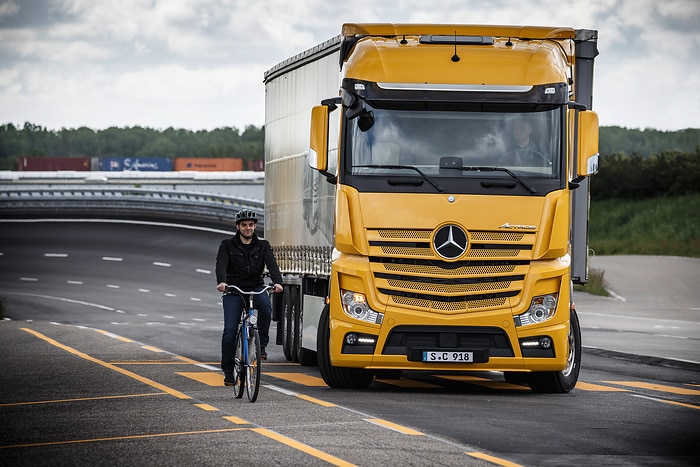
(355, 306)
(541, 309)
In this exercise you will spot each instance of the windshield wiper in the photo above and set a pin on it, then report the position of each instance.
(499, 169)
(398, 167)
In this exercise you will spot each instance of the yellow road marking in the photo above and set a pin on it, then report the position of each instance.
(495, 460)
(315, 401)
(79, 399)
(597, 387)
(236, 420)
(682, 404)
(656, 387)
(151, 348)
(171, 391)
(303, 447)
(306, 380)
(394, 426)
(210, 378)
(119, 438)
(207, 407)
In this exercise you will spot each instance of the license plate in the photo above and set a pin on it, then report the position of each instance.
(453, 357)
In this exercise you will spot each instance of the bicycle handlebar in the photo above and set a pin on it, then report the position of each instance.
(235, 289)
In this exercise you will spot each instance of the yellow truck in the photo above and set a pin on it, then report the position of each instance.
(426, 194)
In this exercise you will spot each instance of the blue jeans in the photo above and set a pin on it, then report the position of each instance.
(233, 307)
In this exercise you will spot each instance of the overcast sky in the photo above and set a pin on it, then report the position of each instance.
(199, 64)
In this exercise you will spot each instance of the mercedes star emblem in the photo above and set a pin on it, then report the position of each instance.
(450, 241)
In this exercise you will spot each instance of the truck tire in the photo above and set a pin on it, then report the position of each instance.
(304, 356)
(559, 382)
(287, 341)
(333, 376)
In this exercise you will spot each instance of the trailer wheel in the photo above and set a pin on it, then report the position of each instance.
(334, 376)
(287, 320)
(558, 382)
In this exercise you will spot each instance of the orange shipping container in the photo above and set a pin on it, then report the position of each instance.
(208, 164)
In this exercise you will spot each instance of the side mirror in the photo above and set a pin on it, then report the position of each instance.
(318, 144)
(587, 150)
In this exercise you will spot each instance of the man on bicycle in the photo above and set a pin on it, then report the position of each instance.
(241, 261)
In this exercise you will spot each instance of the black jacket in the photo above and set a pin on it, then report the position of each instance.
(235, 266)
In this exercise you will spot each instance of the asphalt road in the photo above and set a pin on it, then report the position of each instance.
(111, 356)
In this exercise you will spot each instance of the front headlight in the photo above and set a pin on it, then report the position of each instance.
(541, 309)
(355, 306)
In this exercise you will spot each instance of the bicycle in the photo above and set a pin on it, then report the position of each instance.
(246, 372)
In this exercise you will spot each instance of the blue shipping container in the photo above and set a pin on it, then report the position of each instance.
(141, 164)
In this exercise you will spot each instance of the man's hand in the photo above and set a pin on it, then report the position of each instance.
(221, 287)
(277, 288)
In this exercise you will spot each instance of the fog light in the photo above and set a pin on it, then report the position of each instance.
(545, 342)
(351, 339)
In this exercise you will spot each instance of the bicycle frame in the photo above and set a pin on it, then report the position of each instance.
(247, 334)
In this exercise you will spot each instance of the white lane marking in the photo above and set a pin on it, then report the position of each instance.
(143, 315)
(158, 263)
(616, 296)
(168, 317)
(121, 311)
(170, 295)
(279, 389)
(144, 290)
(198, 319)
(56, 255)
(75, 282)
(68, 300)
(113, 286)
(29, 279)
(203, 271)
(195, 299)
(111, 258)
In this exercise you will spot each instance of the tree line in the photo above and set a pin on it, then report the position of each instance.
(33, 140)
(634, 164)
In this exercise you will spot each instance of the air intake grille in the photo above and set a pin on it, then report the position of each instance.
(408, 272)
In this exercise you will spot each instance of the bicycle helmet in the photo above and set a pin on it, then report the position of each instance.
(246, 215)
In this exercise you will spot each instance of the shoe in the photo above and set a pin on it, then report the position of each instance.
(229, 380)
(263, 354)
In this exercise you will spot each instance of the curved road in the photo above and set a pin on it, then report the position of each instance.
(112, 351)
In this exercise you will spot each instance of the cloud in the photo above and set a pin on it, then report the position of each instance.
(130, 61)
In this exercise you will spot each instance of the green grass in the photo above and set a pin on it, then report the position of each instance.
(658, 226)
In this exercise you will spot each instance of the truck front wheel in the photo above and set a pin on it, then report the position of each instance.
(334, 376)
(558, 382)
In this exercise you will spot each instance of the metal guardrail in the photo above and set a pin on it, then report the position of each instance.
(195, 208)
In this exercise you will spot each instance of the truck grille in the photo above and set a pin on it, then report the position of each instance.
(408, 272)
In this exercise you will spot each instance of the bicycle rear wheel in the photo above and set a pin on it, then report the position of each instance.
(239, 374)
(253, 367)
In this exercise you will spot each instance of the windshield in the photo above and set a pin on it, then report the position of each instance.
(443, 145)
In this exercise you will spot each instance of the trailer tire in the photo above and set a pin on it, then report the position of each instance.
(334, 376)
(287, 320)
(559, 382)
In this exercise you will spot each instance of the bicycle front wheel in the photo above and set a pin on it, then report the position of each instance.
(253, 367)
(239, 373)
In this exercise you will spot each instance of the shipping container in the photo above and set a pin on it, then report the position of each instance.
(52, 164)
(140, 164)
(208, 164)
(256, 166)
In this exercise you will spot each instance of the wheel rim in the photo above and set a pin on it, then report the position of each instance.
(571, 359)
